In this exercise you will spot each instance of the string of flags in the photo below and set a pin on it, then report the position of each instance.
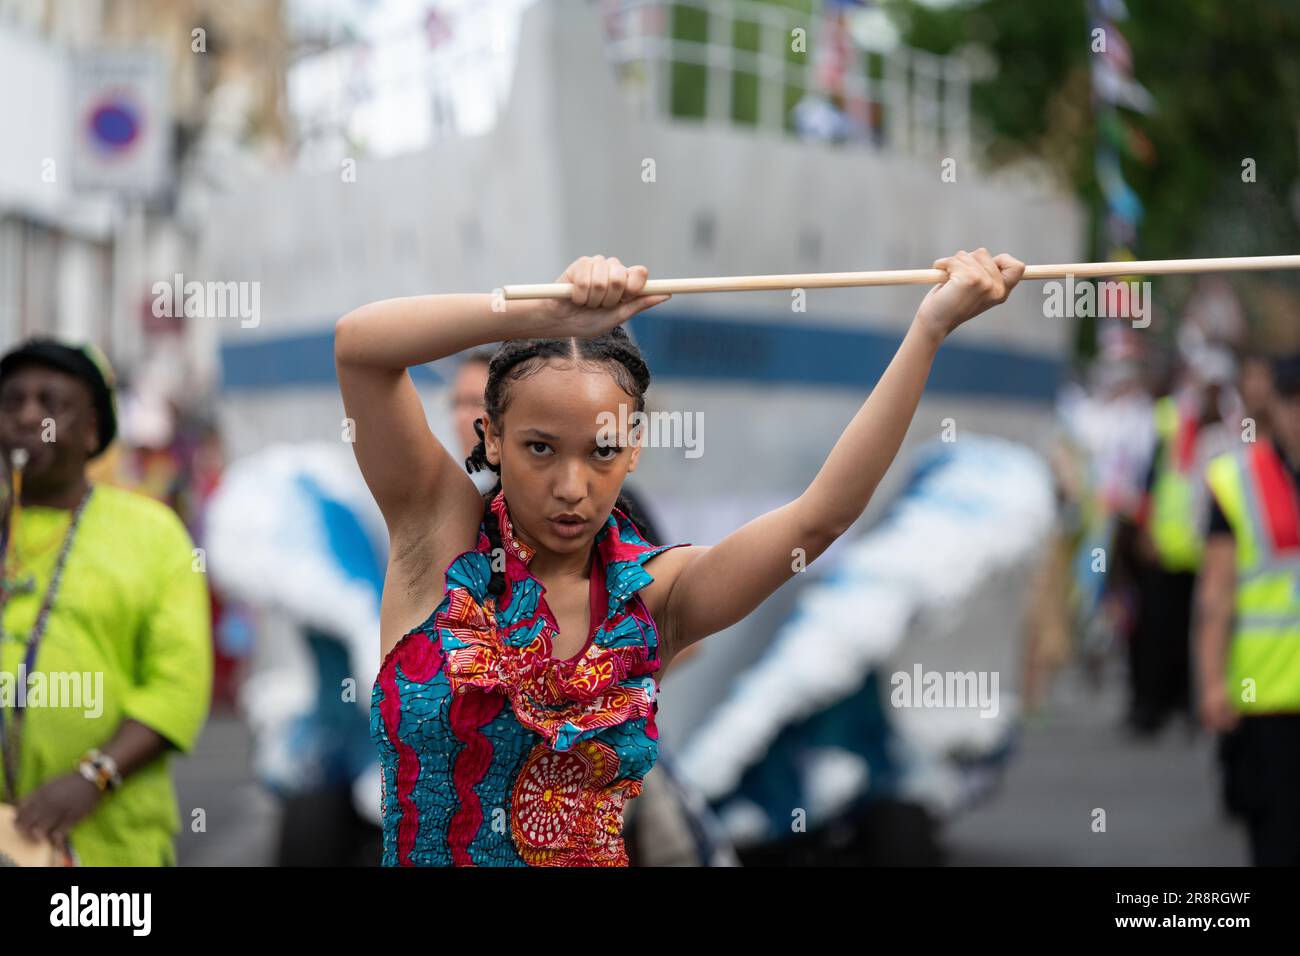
(1117, 99)
(1117, 96)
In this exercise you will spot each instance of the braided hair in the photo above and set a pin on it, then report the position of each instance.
(515, 359)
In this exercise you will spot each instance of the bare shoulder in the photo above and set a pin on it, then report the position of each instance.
(666, 568)
(419, 551)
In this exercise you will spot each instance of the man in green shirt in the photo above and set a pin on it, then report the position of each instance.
(105, 649)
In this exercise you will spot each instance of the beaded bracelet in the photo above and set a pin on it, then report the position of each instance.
(100, 769)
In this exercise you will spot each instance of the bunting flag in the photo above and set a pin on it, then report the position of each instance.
(1131, 140)
(1112, 86)
(1121, 200)
(1116, 95)
(1114, 9)
(1118, 54)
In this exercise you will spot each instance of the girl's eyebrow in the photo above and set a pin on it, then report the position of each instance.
(547, 436)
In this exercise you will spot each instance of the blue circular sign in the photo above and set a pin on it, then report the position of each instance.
(114, 125)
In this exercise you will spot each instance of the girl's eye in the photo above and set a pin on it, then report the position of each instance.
(538, 444)
(613, 451)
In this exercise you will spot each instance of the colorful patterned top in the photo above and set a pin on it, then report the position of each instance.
(495, 754)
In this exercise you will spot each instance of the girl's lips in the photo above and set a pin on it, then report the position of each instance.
(567, 529)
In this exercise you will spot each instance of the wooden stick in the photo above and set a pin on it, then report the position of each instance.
(831, 280)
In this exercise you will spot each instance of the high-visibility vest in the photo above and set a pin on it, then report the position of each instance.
(1258, 497)
(1174, 525)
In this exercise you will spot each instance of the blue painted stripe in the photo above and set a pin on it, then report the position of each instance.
(698, 347)
(289, 361)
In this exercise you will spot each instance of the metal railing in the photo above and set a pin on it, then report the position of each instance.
(903, 99)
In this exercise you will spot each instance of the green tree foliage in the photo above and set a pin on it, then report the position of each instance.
(1226, 80)
(690, 81)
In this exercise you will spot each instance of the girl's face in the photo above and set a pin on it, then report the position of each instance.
(564, 448)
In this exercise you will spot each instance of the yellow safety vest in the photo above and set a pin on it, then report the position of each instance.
(1174, 525)
(1258, 497)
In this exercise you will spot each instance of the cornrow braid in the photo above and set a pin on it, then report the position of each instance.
(515, 359)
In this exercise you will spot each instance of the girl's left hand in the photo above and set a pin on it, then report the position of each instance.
(606, 293)
(976, 282)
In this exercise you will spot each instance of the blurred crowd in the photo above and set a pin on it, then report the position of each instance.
(1176, 475)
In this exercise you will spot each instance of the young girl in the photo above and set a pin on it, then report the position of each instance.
(515, 720)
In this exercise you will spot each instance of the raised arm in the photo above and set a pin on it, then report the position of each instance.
(406, 468)
(714, 587)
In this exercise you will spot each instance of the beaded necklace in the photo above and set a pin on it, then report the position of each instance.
(11, 729)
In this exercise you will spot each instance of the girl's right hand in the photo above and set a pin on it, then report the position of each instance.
(605, 294)
(975, 281)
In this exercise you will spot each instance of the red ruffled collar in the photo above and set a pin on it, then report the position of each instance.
(618, 541)
(508, 648)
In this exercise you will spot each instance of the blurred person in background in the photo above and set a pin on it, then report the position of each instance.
(1256, 387)
(1109, 422)
(1194, 423)
(1053, 598)
(1248, 624)
(97, 580)
(467, 387)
